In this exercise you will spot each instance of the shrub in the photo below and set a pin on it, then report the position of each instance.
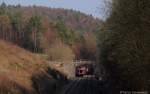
(60, 53)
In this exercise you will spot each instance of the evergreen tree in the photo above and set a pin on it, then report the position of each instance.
(34, 31)
(126, 45)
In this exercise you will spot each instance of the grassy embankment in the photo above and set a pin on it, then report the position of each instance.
(20, 70)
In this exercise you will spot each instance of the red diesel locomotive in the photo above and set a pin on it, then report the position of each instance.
(84, 70)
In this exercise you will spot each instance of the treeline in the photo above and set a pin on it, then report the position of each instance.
(124, 45)
(58, 33)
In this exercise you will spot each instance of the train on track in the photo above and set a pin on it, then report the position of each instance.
(84, 70)
(88, 70)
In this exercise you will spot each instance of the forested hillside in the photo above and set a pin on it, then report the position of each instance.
(43, 30)
(74, 19)
(32, 36)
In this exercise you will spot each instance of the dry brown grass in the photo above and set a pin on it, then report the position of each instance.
(18, 65)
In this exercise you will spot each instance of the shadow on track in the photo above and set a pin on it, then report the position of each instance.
(85, 86)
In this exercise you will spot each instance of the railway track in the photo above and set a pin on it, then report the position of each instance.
(84, 86)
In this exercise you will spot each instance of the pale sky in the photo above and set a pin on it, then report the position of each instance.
(93, 7)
